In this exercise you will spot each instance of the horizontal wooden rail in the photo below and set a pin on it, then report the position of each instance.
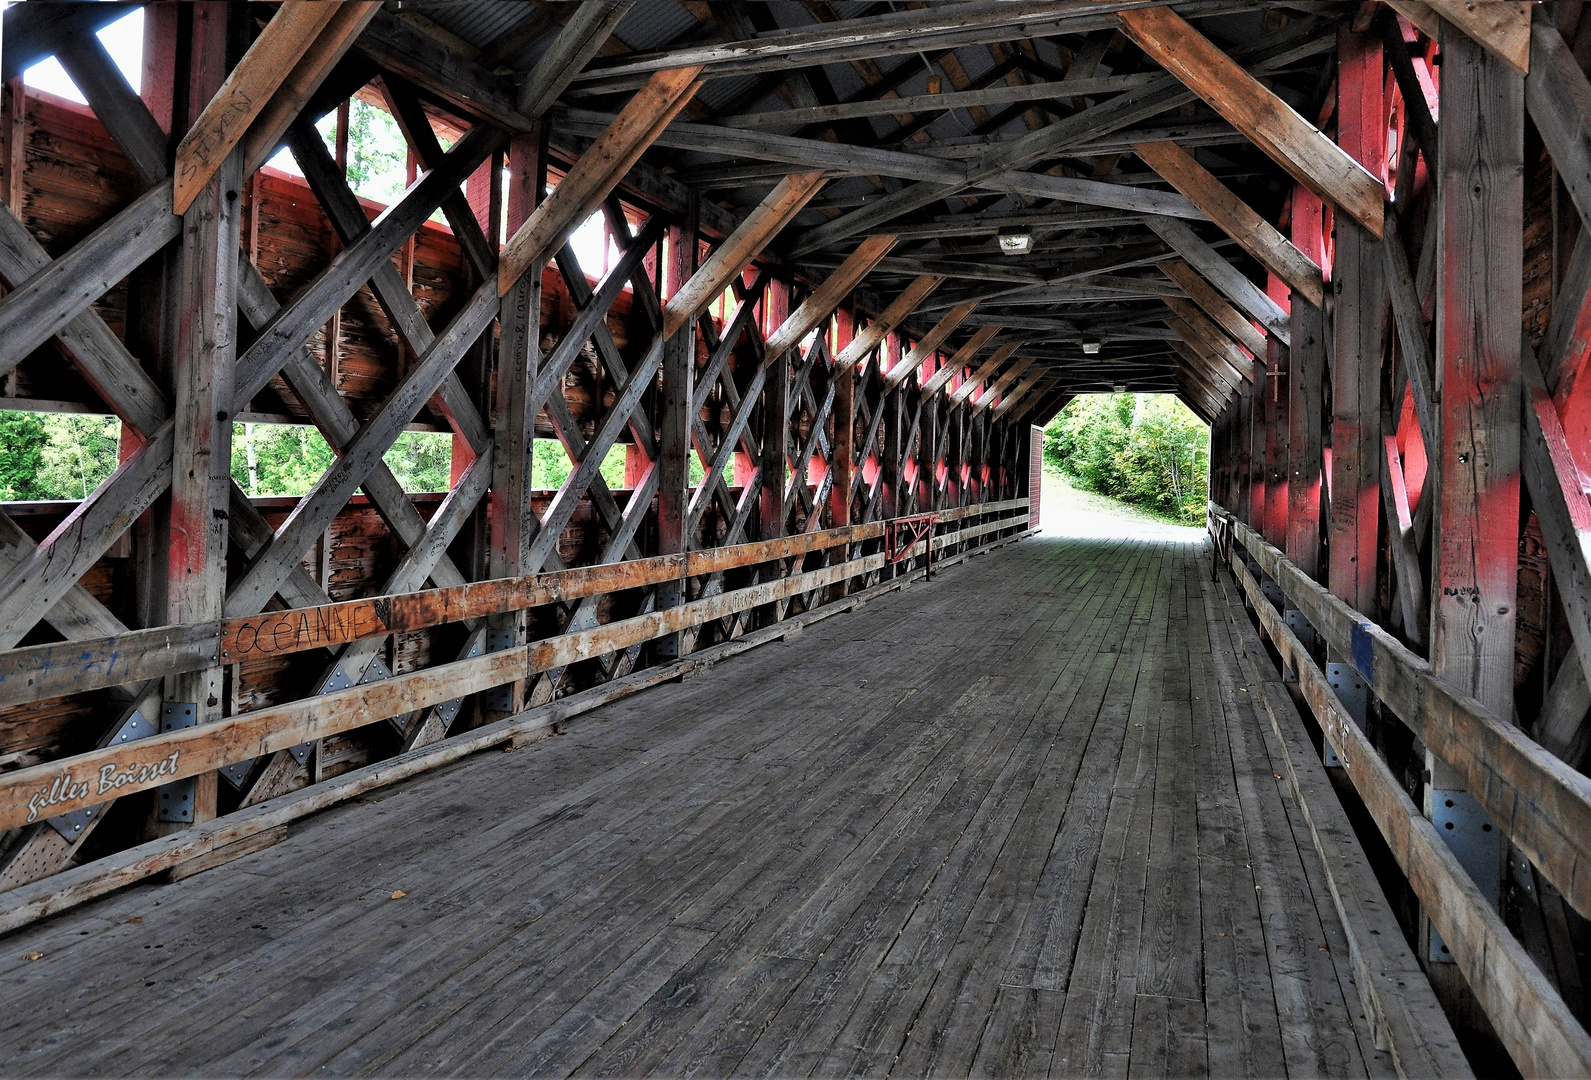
(217, 840)
(1540, 803)
(46, 671)
(1530, 1017)
(72, 783)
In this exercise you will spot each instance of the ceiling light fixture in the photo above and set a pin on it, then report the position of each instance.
(1120, 388)
(1015, 241)
(1090, 348)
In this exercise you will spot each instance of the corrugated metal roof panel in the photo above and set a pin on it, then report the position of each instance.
(480, 22)
(652, 24)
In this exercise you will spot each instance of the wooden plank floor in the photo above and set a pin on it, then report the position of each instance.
(1023, 820)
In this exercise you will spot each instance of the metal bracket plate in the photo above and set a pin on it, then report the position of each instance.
(1469, 831)
(1300, 627)
(1273, 593)
(71, 825)
(448, 711)
(1355, 697)
(501, 698)
(174, 801)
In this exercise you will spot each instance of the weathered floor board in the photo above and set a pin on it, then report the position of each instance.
(1021, 820)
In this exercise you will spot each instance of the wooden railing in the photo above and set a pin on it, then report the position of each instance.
(1542, 805)
(87, 779)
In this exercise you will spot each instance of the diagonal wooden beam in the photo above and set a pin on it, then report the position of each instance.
(1558, 95)
(930, 342)
(37, 582)
(117, 106)
(1501, 27)
(357, 263)
(307, 378)
(315, 511)
(732, 257)
(973, 345)
(1269, 122)
(1558, 494)
(597, 172)
(306, 77)
(38, 308)
(1412, 332)
(998, 387)
(1192, 348)
(1197, 386)
(348, 220)
(246, 92)
(1031, 382)
(1214, 338)
(579, 481)
(1226, 316)
(587, 30)
(828, 296)
(1239, 221)
(863, 344)
(404, 104)
(985, 371)
(1198, 367)
(1223, 275)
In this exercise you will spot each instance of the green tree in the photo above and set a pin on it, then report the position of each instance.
(23, 439)
(1145, 449)
(81, 453)
(378, 157)
(422, 460)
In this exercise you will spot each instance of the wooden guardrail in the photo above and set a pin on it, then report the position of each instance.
(1541, 804)
(83, 780)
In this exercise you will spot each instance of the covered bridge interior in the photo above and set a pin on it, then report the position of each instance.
(827, 757)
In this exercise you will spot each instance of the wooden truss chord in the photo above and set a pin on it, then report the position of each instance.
(731, 257)
(1253, 233)
(925, 348)
(1224, 276)
(1269, 122)
(828, 296)
(867, 340)
(596, 173)
(985, 372)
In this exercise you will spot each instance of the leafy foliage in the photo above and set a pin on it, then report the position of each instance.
(22, 442)
(55, 455)
(1145, 449)
(288, 459)
(550, 465)
(377, 153)
(422, 460)
(278, 459)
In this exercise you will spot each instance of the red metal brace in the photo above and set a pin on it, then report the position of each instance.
(910, 530)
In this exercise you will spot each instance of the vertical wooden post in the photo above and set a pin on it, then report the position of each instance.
(1239, 451)
(1277, 425)
(891, 503)
(1305, 383)
(775, 449)
(205, 350)
(844, 442)
(674, 426)
(927, 444)
(1259, 495)
(975, 452)
(1360, 288)
(1477, 462)
(151, 309)
(518, 358)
